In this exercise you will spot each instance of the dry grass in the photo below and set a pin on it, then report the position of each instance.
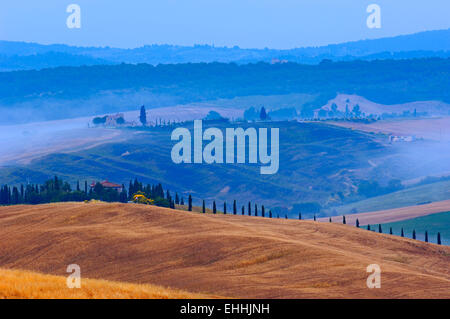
(225, 255)
(18, 284)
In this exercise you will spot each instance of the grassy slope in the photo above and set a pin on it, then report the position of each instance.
(315, 160)
(234, 256)
(408, 197)
(19, 284)
(432, 223)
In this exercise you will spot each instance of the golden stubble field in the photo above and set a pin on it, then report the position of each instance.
(230, 256)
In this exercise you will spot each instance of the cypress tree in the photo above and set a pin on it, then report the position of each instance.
(177, 199)
(300, 216)
(402, 233)
(330, 220)
(426, 236)
(379, 228)
(270, 214)
(249, 209)
(343, 220)
(243, 210)
(234, 207)
(78, 186)
(214, 207)
(256, 210)
(182, 201)
(203, 207)
(368, 227)
(314, 217)
(357, 222)
(143, 116)
(414, 234)
(390, 230)
(190, 203)
(225, 208)
(285, 216)
(439, 238)
(263, 213)
(278, 215)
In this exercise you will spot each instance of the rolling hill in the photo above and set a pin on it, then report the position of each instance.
(232, 256)
(22, 55)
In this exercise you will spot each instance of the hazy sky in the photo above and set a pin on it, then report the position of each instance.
(246, 23)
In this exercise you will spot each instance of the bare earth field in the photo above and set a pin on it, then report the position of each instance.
(231, 256)
(392, 215)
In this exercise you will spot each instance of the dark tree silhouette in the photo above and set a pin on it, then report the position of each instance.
(234, 207)
(368, 227)
(439, 239)
(300, 216)
(426, 236)
(390, 230)
(243, 210)
(190, 203)
(263, 114)
(414, 234)
(270, 214)
(343, 220)
(379, 228)
(314, 217)
(249, 209)
(402, 233)
(214, 207)
(203, 207)
(143, 116)
(256, 210)
(225, 208)
(357, 222)
(263, 213)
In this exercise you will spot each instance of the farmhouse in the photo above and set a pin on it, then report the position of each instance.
(108, 185)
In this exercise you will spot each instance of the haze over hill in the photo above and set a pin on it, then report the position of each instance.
(22, 55)
(69, 92)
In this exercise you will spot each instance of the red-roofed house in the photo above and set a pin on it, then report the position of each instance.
(108, 185)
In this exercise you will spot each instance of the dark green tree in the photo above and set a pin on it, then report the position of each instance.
(249, 209)
(214, 207)
(225, 208)
(300, 216)
(439, 239)
(256, 210)
(263, 114)
(426, 236)
(234, 207)
(343, 220)
(402, 233)
(203, 207)
(390, 230)
(357, 222)
(414, 234)
(143, 116)
(190, 203)
(243, 210)
(263, 213)
(379, 228)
